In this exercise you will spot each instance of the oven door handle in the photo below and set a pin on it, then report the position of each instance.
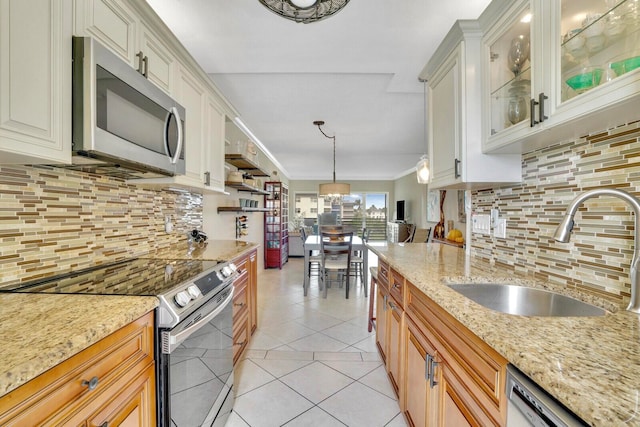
(171, 340)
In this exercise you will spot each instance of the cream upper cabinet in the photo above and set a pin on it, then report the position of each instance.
(118, 27)
(155, 59)
(214, 174)
(35, 81)
(454, 116)
(580, 71)
(111, 22)
(190, 93)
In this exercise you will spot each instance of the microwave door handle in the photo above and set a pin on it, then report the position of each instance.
(173, 112)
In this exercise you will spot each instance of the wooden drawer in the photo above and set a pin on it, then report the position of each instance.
(240, 298)
(478, 366)
(60, 390)
(241, 334)
(383, 274)
(396, 287)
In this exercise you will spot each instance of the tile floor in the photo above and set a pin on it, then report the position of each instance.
(311, 362)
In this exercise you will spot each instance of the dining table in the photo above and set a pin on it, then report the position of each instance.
(313, 244)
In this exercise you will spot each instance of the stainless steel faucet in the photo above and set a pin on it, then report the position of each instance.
(563, 233)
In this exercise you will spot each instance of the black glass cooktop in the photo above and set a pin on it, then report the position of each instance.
(136, 276)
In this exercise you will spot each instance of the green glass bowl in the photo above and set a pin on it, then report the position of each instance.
(586, 80)
(626, 65)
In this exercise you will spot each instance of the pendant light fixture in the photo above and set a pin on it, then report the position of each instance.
(332, 189)
(305, 11)
(423, 171)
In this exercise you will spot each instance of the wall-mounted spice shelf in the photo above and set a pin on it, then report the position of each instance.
(242, 163)
(241, 186)
(240, 209)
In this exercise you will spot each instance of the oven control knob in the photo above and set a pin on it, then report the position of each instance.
(233, 267)
(194, 291)
(226, 271)
(182, 298)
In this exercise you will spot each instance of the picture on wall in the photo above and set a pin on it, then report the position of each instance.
(433, 206)
(462, 214)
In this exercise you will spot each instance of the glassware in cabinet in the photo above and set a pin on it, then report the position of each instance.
(509, 69)
(599, 43)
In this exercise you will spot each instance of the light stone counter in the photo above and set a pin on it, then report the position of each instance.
(39, 331)
(212, 250)
(591, 364)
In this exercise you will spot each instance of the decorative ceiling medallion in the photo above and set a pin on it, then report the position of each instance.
(305, 11)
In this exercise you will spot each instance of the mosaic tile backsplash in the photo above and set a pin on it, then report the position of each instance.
(597, 258)
(53, 219)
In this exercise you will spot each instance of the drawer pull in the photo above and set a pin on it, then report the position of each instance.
(91, 384)
(240, 344)
(105, 424)
(396, 285)
(238, 304)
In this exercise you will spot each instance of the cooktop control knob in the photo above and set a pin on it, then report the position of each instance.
(226, 271)
(194, 291)
(182, 298)
(233, 267)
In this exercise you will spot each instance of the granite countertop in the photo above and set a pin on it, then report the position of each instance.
(590, 364)
(40, 331)
(212, 250)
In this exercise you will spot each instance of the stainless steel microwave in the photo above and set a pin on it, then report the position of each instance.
(122, 121)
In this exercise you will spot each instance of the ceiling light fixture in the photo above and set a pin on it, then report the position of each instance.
(332, 189)
(423, 172)
(305, 11)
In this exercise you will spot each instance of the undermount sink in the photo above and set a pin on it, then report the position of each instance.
(523, 301)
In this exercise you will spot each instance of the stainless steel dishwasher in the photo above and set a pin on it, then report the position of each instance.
(529, 405)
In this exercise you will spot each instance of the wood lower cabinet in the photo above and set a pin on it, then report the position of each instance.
(443, 374)
(110, 383)
(245, 302)
(466, 377)
(394, 325)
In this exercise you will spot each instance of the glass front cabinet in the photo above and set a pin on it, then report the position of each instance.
(557, 69)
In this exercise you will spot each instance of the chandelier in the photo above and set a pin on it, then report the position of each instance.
(304, 11)
(332, 189)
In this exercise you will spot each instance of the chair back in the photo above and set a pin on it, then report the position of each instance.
(412, 232)
(421, 235)
(365, 235)
(336, 245)
(328, 218)
(303, 234)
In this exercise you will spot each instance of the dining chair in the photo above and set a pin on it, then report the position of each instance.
(411, 232)
(421, 235)
(373, 272)
(315, 260)
(335, 249)
(357, 261)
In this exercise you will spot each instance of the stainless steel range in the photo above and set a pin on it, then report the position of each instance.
(194, 350)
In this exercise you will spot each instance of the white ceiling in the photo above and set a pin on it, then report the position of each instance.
(357, 71)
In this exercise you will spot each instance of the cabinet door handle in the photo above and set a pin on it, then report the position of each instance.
(139, 56)
(207, 178)
(91, 384)
(432, 380)
(541, 99)
(105, 424)
(427, 368)
(532, 109)
(396, 285)
(456, 171)
(239, 304)
(145, 61)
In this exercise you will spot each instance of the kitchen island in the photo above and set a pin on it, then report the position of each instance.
(590, 364)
